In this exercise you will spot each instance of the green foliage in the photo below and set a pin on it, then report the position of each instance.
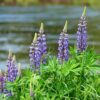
(77, 79)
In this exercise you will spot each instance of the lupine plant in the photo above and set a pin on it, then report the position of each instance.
(78, 78)
(12, 69)
(63, 45)
(11, 73)
(42, 43)
(82, 33)
(35, 55)
(61, 78)
(38, 50)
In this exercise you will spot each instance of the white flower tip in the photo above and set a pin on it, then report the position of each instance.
(10, 53)
(14, 58)
(0, 72)
(19, 65)
(41, 28)
(65, 27)
(35, 37)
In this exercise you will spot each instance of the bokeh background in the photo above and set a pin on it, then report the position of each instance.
(19, 19)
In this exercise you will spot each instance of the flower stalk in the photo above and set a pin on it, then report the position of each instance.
(11, 68)
(63, 45)
(42, 43)
(82, 33)
(35, 55)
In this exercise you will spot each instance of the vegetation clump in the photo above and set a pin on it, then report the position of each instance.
(72, 75)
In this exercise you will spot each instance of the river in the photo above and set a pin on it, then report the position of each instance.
(18, 24)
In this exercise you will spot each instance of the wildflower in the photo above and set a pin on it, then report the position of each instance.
(35, 54)
(11, 68)
(42, 43)
(31, 52)
(11, 73)
(82, 33)
(63, 45)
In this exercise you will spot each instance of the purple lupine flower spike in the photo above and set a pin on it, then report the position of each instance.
(63, 45)
(82, 33)
(11, 68)
(11, 72)
(32, 51)
(37, 59)
(9, 64)
(65, 42)
(42, 43)
(35, 54)
(1, 82)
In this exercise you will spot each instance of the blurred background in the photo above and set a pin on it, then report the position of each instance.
(19, 19)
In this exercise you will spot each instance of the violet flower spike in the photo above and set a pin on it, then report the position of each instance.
(35, 55)
(31, 51)
(42, 43)
(11, 73)
(60, 49)
(11, 68)
(63, 45)
(37, 59)
(9, 65)
(82, 33)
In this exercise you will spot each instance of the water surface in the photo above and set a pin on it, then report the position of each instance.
(18, 24)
